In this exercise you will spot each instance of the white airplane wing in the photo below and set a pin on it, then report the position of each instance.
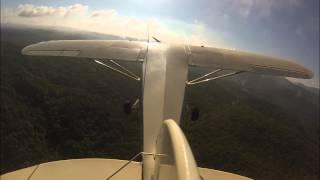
(85, 169)
(92, 49)
(198, 56)
(242, 61)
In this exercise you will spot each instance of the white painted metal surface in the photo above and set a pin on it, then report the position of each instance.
(163, 92)
(93, 49)
(199, 56)
(77, 169)
(172, 142)
(100, 169)
(243, 61)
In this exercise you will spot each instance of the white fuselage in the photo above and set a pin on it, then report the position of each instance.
(165, 73)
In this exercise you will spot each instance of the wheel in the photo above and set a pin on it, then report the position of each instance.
(195, 113)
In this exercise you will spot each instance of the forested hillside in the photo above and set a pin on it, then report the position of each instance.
(59, 108)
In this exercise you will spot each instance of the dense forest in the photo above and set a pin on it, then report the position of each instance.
(52, 108)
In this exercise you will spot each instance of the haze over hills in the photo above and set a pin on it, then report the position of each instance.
(58, 108)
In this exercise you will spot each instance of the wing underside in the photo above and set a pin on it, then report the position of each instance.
(208, 57)
(92, 49)
(242, 61)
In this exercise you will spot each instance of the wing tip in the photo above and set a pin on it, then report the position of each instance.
(308, 74)
(25, 50)
(304, 72)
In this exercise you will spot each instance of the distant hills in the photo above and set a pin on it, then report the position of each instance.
(258, 126)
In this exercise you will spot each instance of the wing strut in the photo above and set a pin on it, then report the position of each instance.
(133, 158)
(202, 80)
(124, 71)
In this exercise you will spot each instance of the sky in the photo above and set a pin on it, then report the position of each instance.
(282, 28)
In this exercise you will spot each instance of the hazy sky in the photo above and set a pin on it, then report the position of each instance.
(281, 28)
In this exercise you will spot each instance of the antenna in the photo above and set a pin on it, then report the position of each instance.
(156, 39)
(148, 31)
